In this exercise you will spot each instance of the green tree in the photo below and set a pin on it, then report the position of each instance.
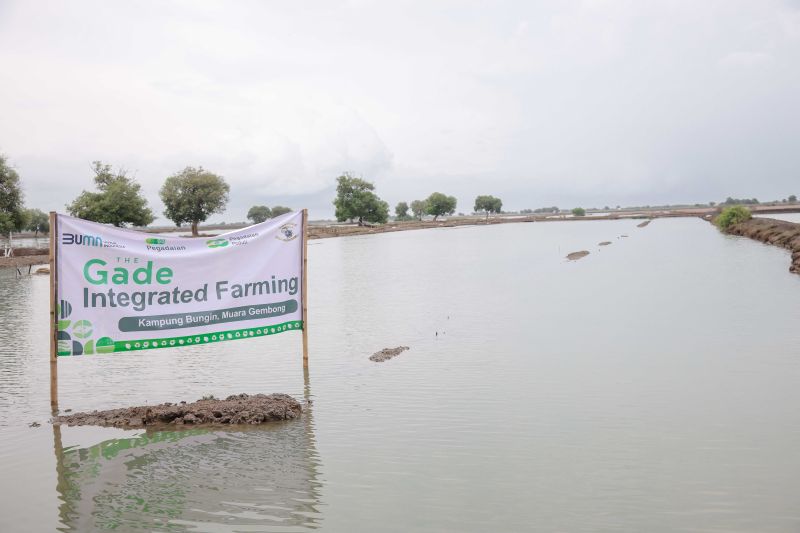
(279, 210)
(401, 211)
(119, 200)
(12, 215)
(579, 212)
(418, 207)
(192, 195)
(259, 213)
(732, 215)
(489, 204)
(439, 204)
(355, 200)
(792, 198)
(36, 221)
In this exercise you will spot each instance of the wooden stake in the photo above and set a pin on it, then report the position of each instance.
(53, 313)
(305, 289)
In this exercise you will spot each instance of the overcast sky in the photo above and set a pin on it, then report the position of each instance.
(564, 103)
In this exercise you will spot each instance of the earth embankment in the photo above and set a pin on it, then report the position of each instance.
(771, 231)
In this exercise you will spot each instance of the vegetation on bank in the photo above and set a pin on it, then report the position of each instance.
(488, 204)
(12, 215)
(118, 200)
(192, 195)
(356, 200)
(401, 211)
(732, 215)
(260, 213)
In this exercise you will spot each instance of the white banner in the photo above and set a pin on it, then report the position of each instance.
(121, 290)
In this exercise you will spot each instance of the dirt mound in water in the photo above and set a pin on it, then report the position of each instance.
(643, 224)
(387, 353)
(236, 409)
(777, 232)
(604, 243)
(574, 256)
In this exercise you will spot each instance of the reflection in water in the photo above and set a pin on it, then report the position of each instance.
(247, 479)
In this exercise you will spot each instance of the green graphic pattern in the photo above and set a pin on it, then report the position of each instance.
(206, 338)
(69, 331)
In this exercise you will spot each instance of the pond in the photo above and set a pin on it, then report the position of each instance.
(650, 386)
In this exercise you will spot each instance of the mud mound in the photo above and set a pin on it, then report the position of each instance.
(604, 243)
(574, 256)
(777, 232)
(24, 252)
(236, 409)
(387, 353)
(643, 224)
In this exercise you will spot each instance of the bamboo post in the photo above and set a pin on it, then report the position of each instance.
(53, 313)
(305, 289)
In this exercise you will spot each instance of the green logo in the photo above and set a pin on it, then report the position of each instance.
(155, 241)
(217, 243)
(82, 329)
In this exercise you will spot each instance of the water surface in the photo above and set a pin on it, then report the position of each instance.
(651, 386)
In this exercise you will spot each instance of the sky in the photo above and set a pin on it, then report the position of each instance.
(568, 103)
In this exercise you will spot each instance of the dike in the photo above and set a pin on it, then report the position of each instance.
(771, 231)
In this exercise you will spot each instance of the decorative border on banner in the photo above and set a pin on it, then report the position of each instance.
(207, 338)
(204, 338)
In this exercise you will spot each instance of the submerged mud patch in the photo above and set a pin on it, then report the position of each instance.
(643, 224)
(574, 256)
(604, 243)
(236, 409)
(387, 353)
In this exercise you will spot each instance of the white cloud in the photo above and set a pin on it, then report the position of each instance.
(549, 101)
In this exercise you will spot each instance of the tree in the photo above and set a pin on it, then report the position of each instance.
(489, 204)
(401, 211)
(792, 198)
(259, 213)
(579, 212)
(740, 201)
(279, 210)
(36, 221)
(119, 200)
(12, 215)
(192, 195)
(439, 204)
(419, 207)
(356, 201)
(732, 215)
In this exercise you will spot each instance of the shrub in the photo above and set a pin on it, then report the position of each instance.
(732, 215)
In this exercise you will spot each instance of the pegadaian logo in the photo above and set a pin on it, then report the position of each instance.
(217, 243)
(288, 232)
(81, 239)
(152, 241)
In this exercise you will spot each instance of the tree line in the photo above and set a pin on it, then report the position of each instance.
(356, 201)
(192, 195)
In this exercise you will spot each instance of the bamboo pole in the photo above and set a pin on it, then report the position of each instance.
(305, 289)
(53, 314)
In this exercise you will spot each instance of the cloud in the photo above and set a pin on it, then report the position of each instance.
(548, 102)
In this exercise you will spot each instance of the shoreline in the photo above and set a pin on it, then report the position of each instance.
(772, 231)
(320, 230)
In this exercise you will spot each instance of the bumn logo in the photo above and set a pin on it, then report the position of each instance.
(217, 243)
(85, 240)
(288, 232)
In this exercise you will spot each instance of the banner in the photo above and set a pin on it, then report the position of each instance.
(120, 290)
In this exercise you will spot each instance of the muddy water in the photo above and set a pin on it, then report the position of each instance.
(651, 386)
